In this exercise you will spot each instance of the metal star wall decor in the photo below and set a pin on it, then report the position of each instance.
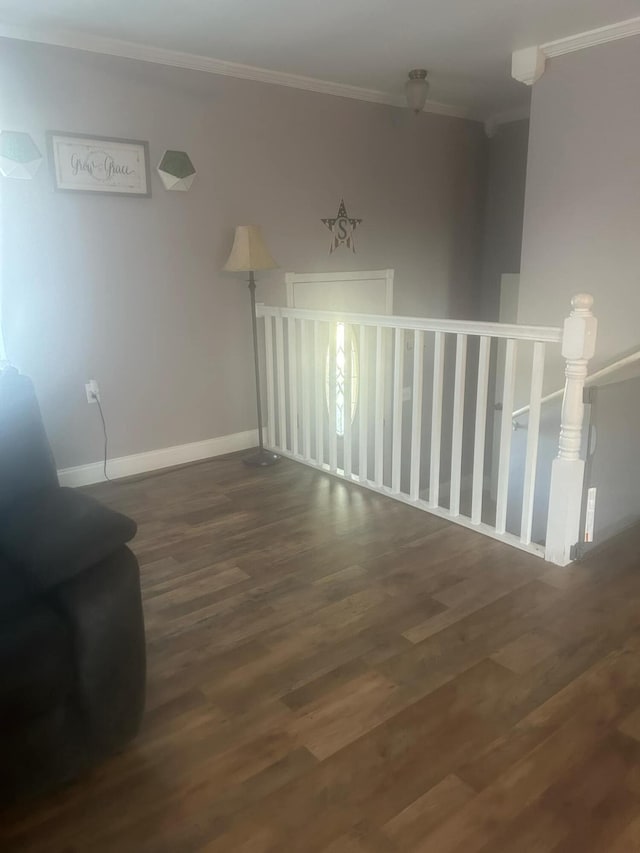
(342, 228)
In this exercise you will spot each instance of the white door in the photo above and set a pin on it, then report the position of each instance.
(368, 292)
(362, 292)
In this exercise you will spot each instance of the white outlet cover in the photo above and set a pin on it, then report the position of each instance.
(92, 391)
(590, 518)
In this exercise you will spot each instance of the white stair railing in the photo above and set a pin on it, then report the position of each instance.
(618, 366)
(342, 397)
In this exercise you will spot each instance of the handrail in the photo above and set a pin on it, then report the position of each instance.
(547, 334)
(348, 417)
(593, 377)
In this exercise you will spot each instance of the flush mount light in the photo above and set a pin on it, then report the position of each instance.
(417, 89)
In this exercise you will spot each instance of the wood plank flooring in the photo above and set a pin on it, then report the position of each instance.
(334, 672)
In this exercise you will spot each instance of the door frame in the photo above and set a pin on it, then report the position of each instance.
(295, 279)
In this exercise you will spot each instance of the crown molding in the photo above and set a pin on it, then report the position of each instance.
(193, 62)
(601, 35)
(528, 64)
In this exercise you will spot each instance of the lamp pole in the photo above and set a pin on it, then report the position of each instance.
(248, 254)
(263, 457)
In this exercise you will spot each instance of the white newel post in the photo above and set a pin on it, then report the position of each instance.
(567, 473)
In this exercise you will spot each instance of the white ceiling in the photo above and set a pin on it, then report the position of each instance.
(465, 44)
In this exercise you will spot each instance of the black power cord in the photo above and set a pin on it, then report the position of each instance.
(150, 474)
(106, 437)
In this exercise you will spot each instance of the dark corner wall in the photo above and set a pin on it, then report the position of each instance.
(504, 211)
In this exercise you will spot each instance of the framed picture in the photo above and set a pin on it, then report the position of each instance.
(99, 164)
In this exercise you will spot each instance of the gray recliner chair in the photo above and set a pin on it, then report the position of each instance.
(72, 645)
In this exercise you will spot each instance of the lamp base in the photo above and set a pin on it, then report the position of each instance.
(262, 459)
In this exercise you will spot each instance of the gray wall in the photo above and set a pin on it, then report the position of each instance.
(504, 210)
(129, 291)
(581, 233)
(502, 246)
(582, 207)
(614, 468)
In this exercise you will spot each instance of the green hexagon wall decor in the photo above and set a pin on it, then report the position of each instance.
(176, 170)
(20, 157)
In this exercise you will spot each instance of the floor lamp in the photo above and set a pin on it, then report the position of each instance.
(249, 253)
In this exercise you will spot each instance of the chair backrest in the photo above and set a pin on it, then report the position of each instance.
(26, 460)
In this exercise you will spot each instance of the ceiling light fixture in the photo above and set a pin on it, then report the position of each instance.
(417, 89)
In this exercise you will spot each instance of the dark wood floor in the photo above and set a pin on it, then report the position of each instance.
(333, 671)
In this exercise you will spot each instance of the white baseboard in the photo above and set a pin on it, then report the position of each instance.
(152, 460)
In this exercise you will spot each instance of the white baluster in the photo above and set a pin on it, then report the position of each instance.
(436, 419)
(567, 473)
(268, 350)
(398, 373)
(506, 432)
(416, 413)
(319, 391)
(477, 487)
(458, 424)
(306, 360)
(348, 397)
(378, 448)
(533, 435)
(363, 406)
(282, 403)
(333, 435)
(293, 384)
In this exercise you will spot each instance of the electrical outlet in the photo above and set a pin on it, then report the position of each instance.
(93, 392)
(589, 522)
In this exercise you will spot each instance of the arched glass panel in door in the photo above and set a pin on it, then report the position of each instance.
(343, 339)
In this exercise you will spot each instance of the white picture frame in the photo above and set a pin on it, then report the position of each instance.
(99, 164)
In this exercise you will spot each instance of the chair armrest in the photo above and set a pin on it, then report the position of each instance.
(57, 533)
(103, 608)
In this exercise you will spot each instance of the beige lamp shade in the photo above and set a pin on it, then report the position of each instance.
(249, 251)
